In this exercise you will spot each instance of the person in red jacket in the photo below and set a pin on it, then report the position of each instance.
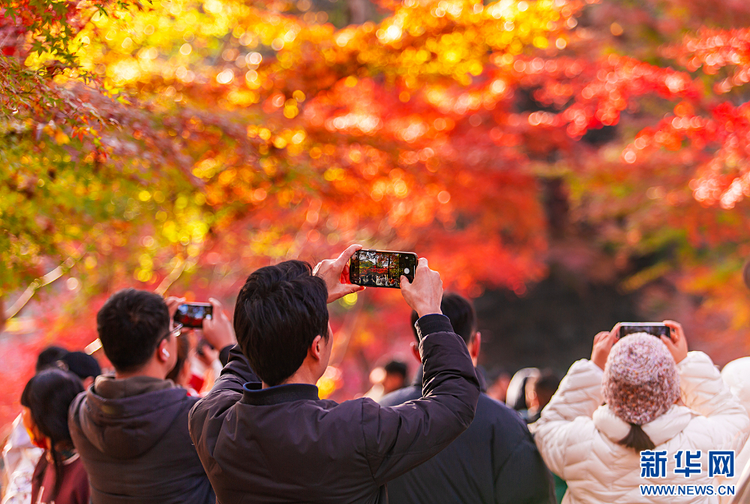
(59, 477)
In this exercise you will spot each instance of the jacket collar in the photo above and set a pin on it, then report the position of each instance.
(255, 395)
(660, 430)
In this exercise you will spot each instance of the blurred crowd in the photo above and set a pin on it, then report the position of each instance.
(229, 412)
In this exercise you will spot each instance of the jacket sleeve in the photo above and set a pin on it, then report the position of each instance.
(566, 420)
(236, 372)
(400, 438)
(225, 393)
(525, 480)
(704, 392)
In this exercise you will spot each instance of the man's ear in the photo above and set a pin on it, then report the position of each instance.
(87, 382)
(316, 349)
(162, 354)
(415, 351)
(476, 343)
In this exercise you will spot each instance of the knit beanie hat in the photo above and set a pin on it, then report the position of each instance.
(640, 380)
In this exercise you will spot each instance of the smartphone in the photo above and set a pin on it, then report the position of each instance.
(381, 268)
(192, 314)
(653, 328)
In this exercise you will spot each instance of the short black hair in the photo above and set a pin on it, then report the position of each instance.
(49, 356)
(131, 324)
(396, 367)
(279, 312)
(460, 311)
(548, 382)
(81, 364)
(48, 395)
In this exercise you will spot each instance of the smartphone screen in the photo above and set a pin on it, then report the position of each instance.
(653, 328)
(192, 314)
(381, 268)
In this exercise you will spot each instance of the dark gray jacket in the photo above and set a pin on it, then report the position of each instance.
(132, 436)
(495, 461)
(283, 444)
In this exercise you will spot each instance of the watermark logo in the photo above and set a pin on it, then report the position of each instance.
(689, 464)
(653, 464)
(721, 463)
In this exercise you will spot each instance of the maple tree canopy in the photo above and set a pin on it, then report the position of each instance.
(192, 141)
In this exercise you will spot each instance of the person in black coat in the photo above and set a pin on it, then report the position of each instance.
(269, 438)
(494, 461)
(131, 428)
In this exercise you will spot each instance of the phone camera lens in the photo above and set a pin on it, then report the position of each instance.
(407, 270)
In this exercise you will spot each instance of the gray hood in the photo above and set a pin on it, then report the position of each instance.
(127, 417)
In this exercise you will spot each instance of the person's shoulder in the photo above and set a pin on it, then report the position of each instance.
(215, 405)
(401, 396)
(76, 405)
(492, 411)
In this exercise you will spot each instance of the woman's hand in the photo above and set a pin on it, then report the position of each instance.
(602, 345)
(677, 344)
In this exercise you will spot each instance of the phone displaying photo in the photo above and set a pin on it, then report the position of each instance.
(653, 328)
(381, 268)
(192, 314)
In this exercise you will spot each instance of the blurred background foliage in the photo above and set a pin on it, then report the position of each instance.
(567, 163)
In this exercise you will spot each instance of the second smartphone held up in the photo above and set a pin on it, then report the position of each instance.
(381, 268)
(192, 314)
(657, 329)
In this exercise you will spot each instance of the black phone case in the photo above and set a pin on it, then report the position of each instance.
(644, 329)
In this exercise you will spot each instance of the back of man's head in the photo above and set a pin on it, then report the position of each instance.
(395, 376)
(81, 364)
(279, 312)
(397, 368)
(545, 387)
(49, 356)
(460, 311)
(131, 324)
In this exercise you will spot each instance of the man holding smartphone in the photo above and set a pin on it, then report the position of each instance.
(267, 436)
(130, 428)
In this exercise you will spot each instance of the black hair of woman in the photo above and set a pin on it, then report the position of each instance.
(47, 396)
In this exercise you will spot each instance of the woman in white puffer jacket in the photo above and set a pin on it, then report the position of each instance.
(623, 401)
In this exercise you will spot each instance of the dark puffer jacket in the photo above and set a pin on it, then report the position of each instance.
(284, 444)
(494, 462)
(132, 436)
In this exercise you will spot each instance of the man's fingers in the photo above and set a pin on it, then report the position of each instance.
(346, 254)
(349, 288)
(404, 282)
(218, 307)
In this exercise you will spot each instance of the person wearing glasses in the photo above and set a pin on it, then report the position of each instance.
(131, 427)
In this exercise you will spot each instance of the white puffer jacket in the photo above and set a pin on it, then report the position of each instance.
(736, 376)
(578, 438)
